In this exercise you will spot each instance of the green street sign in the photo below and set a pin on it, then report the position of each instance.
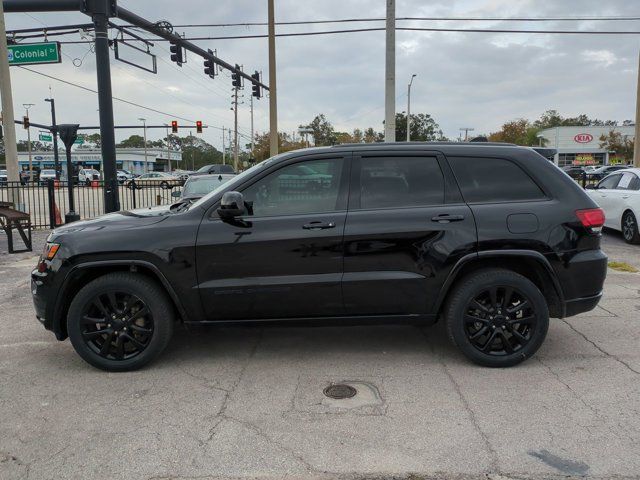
(46, 138)
(34, 53)
(79, 140)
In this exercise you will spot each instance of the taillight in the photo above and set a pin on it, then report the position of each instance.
(592, 218)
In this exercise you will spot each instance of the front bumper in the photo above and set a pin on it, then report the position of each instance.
(40, 293)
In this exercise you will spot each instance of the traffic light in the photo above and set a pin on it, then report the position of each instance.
(235, 77)
(174, 126)
(199, 126)
(209, 67)
(255, 87)
(25, 122)
(176, 54)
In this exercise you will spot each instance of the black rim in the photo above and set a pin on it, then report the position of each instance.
(499, 321)
(628, 226)
(117, 325)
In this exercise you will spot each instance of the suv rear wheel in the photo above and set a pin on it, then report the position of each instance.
(120, 322)
(498, 318)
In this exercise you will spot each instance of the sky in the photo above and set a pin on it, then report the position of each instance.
(476, 80)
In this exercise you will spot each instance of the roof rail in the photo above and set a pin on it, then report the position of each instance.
(391, 144)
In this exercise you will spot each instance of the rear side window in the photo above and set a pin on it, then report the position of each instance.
(610, 182)
(395, 182)
(629, 181)
(485, 180)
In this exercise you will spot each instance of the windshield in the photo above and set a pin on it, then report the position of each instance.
(199, 186)
(203, 169)
(238, 179)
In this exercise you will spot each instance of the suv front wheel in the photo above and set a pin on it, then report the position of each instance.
(120, 321)
(497, 318)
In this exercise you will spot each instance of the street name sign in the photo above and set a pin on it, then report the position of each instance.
(44, 137)
(34, 53)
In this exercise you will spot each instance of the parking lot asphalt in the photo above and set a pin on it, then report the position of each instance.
(247, 402)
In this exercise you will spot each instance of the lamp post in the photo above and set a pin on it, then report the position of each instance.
(27, 106)
(409, 108)
(166, 128)
(144, 127)
(56, 157)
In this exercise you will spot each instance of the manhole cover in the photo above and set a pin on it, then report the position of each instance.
(340, 391)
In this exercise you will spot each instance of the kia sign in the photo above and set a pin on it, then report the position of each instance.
(583, 138)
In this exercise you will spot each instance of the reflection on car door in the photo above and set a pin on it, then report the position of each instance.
(403, 225)
(285, 259)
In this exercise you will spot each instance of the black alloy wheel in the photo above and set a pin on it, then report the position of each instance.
(164, 185)
(117, 325)
(120, 321)
(630, 228)
(498, 318)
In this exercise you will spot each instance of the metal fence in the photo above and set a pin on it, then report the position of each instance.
(48, 202)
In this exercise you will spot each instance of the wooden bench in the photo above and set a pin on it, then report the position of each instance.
(11, 219)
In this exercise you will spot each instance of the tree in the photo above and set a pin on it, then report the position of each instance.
(423, 128)
(286, 143)
(371, 136)
(357, 136)
(94, 139)
(323, 131)
(134, 141)
(621, 144)
(519, 131)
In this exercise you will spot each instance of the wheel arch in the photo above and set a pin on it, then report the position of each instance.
(81, 274)
(530, 264)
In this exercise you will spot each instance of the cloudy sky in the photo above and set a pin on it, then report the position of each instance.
(474, 80)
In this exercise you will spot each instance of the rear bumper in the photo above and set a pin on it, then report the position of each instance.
(582, 278)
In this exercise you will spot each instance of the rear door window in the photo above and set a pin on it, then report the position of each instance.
(396, 182)
(487, 180)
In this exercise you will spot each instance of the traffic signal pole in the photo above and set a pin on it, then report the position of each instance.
(636, 144)
(390, 75)
(273, 99)
(235, 128)
(8, 117)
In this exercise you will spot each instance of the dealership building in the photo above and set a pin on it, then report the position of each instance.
(132, 159)
(581, 145)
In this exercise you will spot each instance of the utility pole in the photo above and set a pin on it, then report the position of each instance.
(251, 126)
(636, 147)
(27, 106)
(54, 132)
(168, 146)
(235, 128)
(8, 118)
(390, 75)
(223, 148)
(409, 108)
(144, 128)
(273, 99)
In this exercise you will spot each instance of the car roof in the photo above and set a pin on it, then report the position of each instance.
(211, 175)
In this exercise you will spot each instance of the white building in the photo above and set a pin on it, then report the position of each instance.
(132, 159)
(581, 145)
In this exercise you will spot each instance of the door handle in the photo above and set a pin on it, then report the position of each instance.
(446, 218)
(625, 196)
(318, 225)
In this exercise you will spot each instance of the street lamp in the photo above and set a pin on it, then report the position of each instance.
(540, 138)
(27, 106)
(54, 133)
(409, 108)
(144, 127)
(166, 127)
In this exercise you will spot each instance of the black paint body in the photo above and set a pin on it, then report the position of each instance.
(391, 263)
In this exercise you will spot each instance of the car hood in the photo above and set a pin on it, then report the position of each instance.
(117, 220)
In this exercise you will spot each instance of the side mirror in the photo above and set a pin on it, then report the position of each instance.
(176, 194)
(232, 205)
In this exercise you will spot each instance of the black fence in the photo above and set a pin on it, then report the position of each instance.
(47, 202)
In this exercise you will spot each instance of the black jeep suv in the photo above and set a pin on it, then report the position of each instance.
(492, 238)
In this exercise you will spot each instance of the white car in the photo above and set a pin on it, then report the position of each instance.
(618, 194)
(86, 175)
(46, 175)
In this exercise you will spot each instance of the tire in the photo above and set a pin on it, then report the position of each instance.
(488, 332)
(164, 185)
(132, 292)
(629, 228)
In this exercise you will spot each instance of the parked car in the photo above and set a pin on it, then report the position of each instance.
(27, 176)
(182, 174)
(405, 232)
(3, 177)
(215, 168)
(574, 171)
(601, 172)
(162, 179)
(46, 175)
(618, 194)
(198, 186)
(88, 175)
(123, 176)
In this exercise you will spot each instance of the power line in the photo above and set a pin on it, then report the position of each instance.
(427, 19)
(412, 29)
